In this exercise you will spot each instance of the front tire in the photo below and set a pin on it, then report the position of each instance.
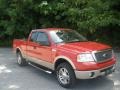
(65, 75)
(20, 60)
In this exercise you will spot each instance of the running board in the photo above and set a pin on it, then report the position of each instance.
(40, 68)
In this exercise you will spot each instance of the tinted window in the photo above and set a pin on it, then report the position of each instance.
(33, 36)
(42, 38)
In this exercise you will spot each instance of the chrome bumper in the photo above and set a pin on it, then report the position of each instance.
(94, 73)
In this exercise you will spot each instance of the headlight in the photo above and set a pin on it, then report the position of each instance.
(85, 57)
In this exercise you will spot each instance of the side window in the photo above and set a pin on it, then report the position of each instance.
(42, 39)
(33, 36)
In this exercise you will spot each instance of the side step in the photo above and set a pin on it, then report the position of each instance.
(42, 68)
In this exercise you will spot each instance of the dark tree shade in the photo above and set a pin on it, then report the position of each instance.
(97, 19)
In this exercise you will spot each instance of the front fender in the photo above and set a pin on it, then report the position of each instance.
(65, 58)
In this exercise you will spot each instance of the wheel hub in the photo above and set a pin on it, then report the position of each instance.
(19, 59)
(63, 76)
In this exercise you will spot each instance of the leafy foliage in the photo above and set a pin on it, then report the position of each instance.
(97, 19)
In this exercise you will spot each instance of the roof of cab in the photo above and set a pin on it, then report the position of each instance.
(49, 29)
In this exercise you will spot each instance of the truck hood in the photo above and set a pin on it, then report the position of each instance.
(82, 46)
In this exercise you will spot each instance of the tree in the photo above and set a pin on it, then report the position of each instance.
(89, 17)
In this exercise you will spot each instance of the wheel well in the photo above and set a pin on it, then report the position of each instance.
(59, 61)
(17, 50)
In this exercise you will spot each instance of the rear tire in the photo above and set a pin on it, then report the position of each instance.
(65, 75)
(20, 60)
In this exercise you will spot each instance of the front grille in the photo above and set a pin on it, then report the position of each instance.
(103, 55)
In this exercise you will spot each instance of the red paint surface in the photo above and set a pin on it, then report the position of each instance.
(70, 50)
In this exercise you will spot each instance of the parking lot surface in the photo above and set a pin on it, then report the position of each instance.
(14, 77)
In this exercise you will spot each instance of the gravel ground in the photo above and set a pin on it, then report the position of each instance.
(14, 77)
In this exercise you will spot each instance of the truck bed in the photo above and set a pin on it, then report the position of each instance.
(21, 43)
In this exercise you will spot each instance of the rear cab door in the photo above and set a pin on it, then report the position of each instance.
(31, 45)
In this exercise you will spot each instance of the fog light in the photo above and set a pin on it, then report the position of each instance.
(92, 74)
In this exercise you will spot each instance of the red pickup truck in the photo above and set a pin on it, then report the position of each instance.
(66, 52)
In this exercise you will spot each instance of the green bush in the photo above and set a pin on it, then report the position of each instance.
(5, 43)
(89, 17)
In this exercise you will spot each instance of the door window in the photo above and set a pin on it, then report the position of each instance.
(42, 39)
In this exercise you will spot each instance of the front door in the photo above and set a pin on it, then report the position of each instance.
(43, 49)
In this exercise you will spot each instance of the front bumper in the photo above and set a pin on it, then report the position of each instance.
(94, 73)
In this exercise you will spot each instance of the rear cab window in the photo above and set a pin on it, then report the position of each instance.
(33, 36)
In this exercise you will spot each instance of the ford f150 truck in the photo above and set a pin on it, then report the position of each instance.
(66, 52)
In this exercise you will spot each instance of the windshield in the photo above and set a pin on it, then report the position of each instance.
(66, 36)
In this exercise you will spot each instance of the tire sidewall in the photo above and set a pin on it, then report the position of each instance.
(70, 70)
(22, 61)
(19, 58)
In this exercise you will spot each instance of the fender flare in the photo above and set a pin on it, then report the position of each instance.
(65, 58)
(18, 48)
